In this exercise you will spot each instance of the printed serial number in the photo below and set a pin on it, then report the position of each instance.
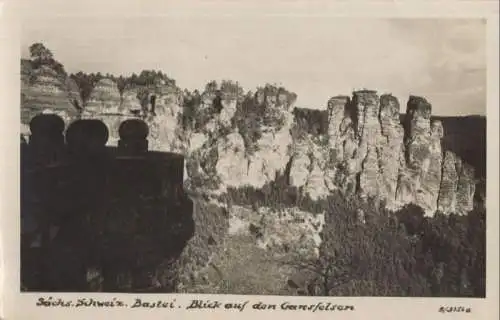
(444, 309)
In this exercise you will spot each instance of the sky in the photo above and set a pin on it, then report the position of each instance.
(315, 56)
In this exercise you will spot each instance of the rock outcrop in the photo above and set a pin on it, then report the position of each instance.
(391, 148)
(309, 154)
(104, 98)
(358, 145)
(466, 187)
(270, 152)
(375, 155)
(449, 182)
(368, 130)
(130, 102)
(43, 91)
(291, 228)
(165, 122)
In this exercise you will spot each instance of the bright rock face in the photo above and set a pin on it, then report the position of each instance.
(271, 153)
(431, 177)
(130, 102)
(336, 114)
(345, 176)
(369, 134)
(168, 100)
(165, 126)
(301, 161)
(418, 123)
(423, 155)
(44, 91)
(310, 167)
(271, 157)
(391, 148)
(104, 98)
(291, 228)
(319, 184)
(418, 153)
(232, 165)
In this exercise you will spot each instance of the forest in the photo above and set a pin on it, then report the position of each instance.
(401, 253)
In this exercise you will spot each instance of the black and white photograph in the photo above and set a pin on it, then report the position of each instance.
(245, 154)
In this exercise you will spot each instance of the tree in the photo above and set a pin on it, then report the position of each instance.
(121, 83)
(39, 52)
(143, 96)
(41, 55)
(86, 83)
(212, 86)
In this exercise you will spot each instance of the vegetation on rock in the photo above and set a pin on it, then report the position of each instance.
(87, 81)
(42, 56)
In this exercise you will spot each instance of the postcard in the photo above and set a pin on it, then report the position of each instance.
(249, 159)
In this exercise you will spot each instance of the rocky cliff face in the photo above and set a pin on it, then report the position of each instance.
(105, 98)
(371, 153)
(44, 91)
(358, 145)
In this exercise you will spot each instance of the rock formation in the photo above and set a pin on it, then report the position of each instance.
(421, 175)
(104, 98)
(358, 145)
(391, 147)
(165, 122)
(74, 93)
(130, 102)
(337, 108)
(466, 187)
(43, 91)
(271, 155)
(367, 105)
(447, 192)
(374, 154)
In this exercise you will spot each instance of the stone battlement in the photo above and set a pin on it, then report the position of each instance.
(118, 209)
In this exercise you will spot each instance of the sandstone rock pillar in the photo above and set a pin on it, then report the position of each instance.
(366, 103)
(449, 182)
(336, 113)
(391, 147)
(420, 156)
(466, 188)
(431, 174)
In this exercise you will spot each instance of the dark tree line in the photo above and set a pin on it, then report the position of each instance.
(399, 254)
(147, 78)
